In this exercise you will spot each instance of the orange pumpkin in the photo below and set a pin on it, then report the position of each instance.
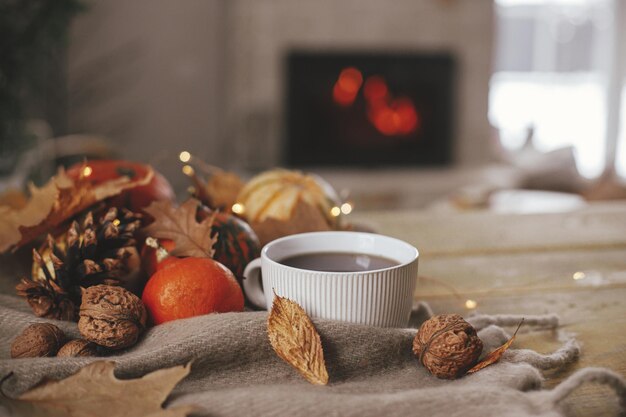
(135, 199)
(236, 245)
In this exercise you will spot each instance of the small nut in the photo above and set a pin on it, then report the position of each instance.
(38, 340)
(447, 346)
(78, 347)
(111, 316)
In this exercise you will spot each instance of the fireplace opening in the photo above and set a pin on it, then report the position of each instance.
(369, 109)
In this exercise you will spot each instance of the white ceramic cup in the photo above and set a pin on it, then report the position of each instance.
(382, 297)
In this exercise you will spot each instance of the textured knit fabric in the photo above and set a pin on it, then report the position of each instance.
(372, 370)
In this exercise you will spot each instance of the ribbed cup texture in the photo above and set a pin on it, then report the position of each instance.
(382, 298)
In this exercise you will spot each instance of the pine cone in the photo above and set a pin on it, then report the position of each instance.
(88, 254)
(47, 302)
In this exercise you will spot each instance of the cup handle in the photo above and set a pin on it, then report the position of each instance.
(252, 284)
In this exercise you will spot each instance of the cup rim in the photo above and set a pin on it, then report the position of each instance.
(265, 248)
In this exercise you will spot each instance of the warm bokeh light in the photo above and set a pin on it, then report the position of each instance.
(335, 211)
(347, 86)
(407, 114)
(346, 208)
(188, 170)
(152, 242)
(350, 80)
(184, 156)
(385, 120)
(87, 171)
(237, 208)
(579, 275)
(342, 97)
(375, 88)
(471, 304)
(399, 117)
(390, 116)
(116, 222)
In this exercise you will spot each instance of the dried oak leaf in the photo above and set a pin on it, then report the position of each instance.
(296, 341)
(179, 224)
(220, 190)
(55, 202)
(94, 391)
(38, 207)
(14, 198)
(495, 356)
(304, 218)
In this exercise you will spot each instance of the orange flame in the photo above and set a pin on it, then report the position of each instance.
(390, 116)
(347, 86)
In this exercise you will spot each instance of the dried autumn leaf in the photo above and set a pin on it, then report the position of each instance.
(94, 391)
(304, 218)
(495, 356)
(74, 199)
(38, 207)
(179, 224)
(13, 198)
(55, 202)
(296, 341)
(220, 191)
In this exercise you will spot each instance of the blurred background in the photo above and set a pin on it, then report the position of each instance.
(508, 105)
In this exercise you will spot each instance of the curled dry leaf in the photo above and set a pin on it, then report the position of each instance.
(179, 224)
(296, 341)
(304, 218)
(495, 356)
(223, 188)
(34, 212)
(106, 395)
(220, 190)
(55, 202)
(14, 198)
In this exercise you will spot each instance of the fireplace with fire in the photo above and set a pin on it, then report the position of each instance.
(369, 109)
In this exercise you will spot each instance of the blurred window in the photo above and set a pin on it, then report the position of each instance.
(552, 66)
(620, 159)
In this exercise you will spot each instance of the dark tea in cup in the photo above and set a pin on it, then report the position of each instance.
(338, 262)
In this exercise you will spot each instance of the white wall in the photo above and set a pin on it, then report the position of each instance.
(260, 31)
(159, 76)
(145, 74)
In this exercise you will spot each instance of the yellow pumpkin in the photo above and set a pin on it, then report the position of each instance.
(277, 198)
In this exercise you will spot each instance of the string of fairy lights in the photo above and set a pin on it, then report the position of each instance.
(343, 208)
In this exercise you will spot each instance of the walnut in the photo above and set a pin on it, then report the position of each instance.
(39, 339)
(78, 347)
(447, 346)
(111, 316)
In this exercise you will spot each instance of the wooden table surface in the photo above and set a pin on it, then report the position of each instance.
(528, 264)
